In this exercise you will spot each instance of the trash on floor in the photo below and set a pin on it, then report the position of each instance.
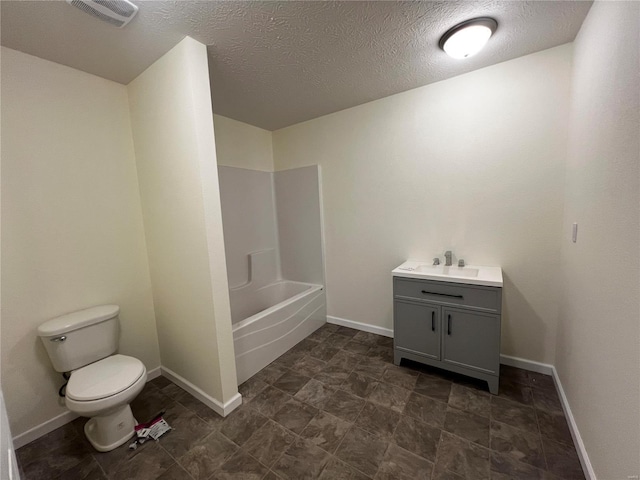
(154, 429)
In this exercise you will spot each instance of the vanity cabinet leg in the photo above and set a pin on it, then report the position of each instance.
(494, 385)
(397, 358)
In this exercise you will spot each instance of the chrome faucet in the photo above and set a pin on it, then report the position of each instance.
(447, 257)
(436, 261)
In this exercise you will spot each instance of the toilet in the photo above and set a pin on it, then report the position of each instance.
(102, 383)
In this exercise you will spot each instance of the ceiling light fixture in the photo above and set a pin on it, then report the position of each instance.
(468, 38)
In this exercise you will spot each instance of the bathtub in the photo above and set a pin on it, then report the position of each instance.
(270, 319)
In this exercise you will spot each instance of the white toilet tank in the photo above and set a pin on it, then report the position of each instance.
(80, 338)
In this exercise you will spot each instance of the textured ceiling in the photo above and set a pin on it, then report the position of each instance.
(274, 64)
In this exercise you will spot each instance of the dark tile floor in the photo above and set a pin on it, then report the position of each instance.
(335, 407)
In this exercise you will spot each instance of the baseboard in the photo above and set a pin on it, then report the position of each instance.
(587, 468)
(365, 327)
(220, 408)
(525, 364)
(60, 420)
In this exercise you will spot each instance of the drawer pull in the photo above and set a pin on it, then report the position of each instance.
(448, 324)
(433, 321)
(442, 294)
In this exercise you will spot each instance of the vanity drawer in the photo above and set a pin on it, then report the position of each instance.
(473, 296)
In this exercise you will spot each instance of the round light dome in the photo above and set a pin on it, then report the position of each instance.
(468, 38)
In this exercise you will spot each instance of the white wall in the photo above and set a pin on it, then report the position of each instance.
(242, 145)
(598, 347)
(474, 164)
(173, 131)
(72, 231)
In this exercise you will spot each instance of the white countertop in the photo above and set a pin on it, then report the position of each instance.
(469, 274)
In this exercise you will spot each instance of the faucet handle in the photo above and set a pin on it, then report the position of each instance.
(461, 263)
(436, 261)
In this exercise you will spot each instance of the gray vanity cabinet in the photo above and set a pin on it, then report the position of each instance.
(448, 325)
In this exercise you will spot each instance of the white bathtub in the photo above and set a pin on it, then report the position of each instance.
(269, 320)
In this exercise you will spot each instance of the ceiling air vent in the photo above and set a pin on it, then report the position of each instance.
(115, 12)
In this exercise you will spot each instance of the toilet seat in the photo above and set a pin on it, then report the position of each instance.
(104, 378)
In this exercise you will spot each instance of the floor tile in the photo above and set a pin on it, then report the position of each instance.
(333, 375)
(399, 464)
(174, 472)
(514, 414)
(269, 442)
(301, 461)
(147, 462)
(433, 387)
(462, 457)
(315, 393)
(505, 467)
(269, 401)
(366, 338)
(271, 373)
(426, 409)
(309, 366)
(546, 400)
(324, 352)
(87, 469)
(562, 460)
(160, 382)
(359, 385)
(346, 360)
(346, 331)
(251, 388)
(67, 440)
(554, 426)
(338, 470)
(206, 456)
(390, 396)
(540, 380)
(149, 403)
(520, 445)
(291, 382)
(241, 424)
(473, 401)
(417, 437)
(326, 431)
(289, 359)
(513, 374)
(371, 368)
(305, 345)
(383, 341)
(295, 415)
(362, 450)
(468, 426)
(344, 405)
(337, 340)
(400, 377)
(356, 347)
(382, 353)
(240, 466)
(187, 429)
(378, 420)
(516, 392)
(320, 335)
(203, 411)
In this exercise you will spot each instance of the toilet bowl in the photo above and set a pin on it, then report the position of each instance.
(102, 383)
(103, 391)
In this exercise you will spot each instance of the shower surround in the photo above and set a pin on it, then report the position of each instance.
(275, 266)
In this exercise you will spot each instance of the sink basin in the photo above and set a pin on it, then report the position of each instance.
(466, 272)
(470, 274)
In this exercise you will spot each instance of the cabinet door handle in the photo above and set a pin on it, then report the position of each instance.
(433, 321)
(442, 294)
(448, 324)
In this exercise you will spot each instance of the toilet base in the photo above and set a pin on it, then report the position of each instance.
(108, 432)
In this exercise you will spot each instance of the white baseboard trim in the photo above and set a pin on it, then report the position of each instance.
(587, 468)
(365, 327)
(525, 364)
(60, 420)
(42, 429)
(220, 408)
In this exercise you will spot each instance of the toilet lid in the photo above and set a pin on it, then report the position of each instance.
(104, 378)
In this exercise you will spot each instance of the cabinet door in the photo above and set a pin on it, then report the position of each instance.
(471, 340)
(416, 328)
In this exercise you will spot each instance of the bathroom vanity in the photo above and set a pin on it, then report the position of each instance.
(449, 317)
